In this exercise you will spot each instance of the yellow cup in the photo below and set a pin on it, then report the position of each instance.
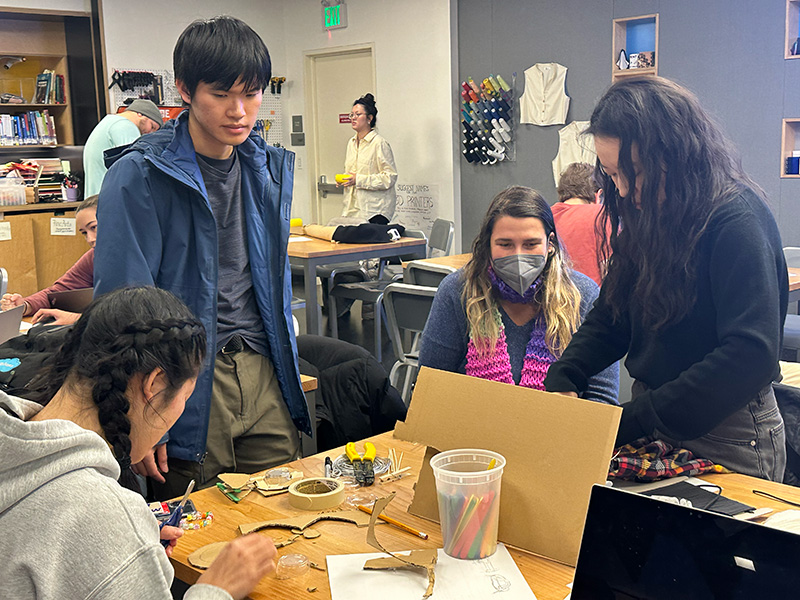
(342, 177)
(296, 222)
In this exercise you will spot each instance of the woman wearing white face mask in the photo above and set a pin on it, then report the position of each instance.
(512, 310)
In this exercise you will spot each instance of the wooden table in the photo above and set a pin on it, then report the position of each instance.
(459, 260)
(547, 579)
(794, 286)
(309, 385)
(312, 253)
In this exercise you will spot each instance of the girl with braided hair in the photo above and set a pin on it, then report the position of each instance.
(511, 311)
(118, 383)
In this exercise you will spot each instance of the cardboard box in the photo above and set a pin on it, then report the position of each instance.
(556, 448)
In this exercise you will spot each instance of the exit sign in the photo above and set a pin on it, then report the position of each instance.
(334, 16)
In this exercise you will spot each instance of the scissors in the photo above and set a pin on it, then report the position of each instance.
(175, 518)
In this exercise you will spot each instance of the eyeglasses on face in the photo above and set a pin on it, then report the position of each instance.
(355, 115)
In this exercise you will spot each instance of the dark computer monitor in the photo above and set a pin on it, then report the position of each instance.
(634, 546)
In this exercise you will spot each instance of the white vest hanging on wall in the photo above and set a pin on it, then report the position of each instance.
(544, 101)
(573, 146)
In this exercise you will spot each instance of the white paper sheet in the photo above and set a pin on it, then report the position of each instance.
(495, 577)
(299, 238)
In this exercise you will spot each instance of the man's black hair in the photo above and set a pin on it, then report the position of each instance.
(220, 52)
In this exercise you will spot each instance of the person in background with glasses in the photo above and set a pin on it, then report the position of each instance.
(369, 189)
(696, 289)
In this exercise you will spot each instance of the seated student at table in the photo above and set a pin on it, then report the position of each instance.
(697, 286)
(80, 275)
(120, 380)
(508, 314)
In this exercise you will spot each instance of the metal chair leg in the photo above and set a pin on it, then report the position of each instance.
(333, 318)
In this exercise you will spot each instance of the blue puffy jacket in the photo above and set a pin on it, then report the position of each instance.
(158, 229)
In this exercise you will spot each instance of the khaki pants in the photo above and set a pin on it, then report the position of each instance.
(249, 428)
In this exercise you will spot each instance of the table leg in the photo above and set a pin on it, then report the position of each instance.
(313, 310)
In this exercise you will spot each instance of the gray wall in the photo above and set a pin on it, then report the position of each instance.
(729, 52)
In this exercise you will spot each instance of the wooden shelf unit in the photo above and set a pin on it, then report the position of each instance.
(61, 41)
(790, 141)
(620, 41)
(792, 24)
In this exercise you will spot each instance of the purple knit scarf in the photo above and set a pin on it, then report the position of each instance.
(495, 365)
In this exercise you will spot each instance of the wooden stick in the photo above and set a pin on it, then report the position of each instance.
(394, 522)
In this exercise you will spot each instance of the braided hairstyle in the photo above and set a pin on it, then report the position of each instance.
(124, 333)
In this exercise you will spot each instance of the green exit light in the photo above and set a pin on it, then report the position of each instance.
(334, 17)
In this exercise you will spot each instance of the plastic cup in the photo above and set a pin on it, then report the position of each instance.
(469, 500)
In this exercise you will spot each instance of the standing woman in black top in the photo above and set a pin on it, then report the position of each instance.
(697, 286)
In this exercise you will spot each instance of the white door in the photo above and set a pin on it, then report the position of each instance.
(335, 77)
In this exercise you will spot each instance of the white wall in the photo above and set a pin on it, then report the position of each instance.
(415, 79)
(142, 34)
(65, 5)
(412, 41)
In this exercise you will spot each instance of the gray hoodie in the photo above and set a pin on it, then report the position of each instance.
(68, 529)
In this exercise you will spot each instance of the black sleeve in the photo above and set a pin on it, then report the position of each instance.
(598, 344)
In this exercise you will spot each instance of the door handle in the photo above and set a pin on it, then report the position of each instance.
(326, 188)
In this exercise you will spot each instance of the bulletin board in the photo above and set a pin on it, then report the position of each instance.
(271, 109)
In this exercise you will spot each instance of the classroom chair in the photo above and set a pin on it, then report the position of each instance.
(407, 308)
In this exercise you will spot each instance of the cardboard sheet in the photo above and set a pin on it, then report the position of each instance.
(556, 448)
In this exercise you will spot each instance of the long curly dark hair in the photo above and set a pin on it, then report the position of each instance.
(652, 249)
(123, 333)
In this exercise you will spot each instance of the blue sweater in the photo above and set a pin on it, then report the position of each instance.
(444, 341)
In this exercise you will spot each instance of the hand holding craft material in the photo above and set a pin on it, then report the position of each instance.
(342, 177)
(175, 518)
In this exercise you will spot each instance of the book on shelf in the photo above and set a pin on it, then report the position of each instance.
(30, 128)
(44, 82)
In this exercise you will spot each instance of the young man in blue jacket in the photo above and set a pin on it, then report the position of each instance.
(201, 208)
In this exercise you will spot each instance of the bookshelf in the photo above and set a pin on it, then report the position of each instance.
(69, 43)
(62, 42)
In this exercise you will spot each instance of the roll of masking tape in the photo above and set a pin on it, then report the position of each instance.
(317, 493)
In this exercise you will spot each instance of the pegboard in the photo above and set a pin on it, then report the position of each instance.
(271, 106)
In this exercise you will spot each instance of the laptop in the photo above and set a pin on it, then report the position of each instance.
(10, 321)
(638, 547)
(71, 300)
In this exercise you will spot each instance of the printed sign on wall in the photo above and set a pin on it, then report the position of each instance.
(62, 226)
(417, 205)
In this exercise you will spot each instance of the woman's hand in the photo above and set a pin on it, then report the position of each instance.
(350, 181)
(241, 565)
(9, 301)
(61, 317)
(172, 534)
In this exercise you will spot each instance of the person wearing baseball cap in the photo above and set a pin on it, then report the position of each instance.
(141, 117)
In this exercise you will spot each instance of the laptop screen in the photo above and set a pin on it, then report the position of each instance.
(637, 547)
(71, 300)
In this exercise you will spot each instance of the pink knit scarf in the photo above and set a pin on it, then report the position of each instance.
(496, 364)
